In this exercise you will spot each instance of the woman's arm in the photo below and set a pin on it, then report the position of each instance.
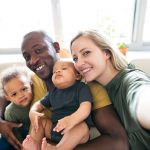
(113, 135)
(143, 110)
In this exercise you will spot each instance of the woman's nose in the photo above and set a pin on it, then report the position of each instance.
(79, 63)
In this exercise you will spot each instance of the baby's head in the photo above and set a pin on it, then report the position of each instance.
(64, 74)
(16, 85)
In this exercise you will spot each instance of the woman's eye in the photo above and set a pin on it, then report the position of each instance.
(86, 53)
(75, 59)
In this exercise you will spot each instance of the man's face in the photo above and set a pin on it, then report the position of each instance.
(39, 55)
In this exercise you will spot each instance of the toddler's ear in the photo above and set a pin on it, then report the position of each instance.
(6, 97)
(32, 86)
(78, 76)
(31, 83)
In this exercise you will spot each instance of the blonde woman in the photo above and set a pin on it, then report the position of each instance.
(127, 87)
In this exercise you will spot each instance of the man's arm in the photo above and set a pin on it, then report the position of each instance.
(113, 135)
(6, 127)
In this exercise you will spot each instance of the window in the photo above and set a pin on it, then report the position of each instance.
(113, 17)
(146, 35)
(121, 20)
(17, 17)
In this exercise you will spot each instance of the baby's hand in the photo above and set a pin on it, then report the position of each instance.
(35, 119)
(64, 125)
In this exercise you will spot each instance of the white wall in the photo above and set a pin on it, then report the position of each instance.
(9, 60)
(143, 64)
(140, 59)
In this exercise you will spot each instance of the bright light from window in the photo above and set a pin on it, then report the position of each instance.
(17, 17)
(113, 17)
(146, 35)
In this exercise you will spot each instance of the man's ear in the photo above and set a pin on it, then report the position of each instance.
(78, 76)
(56, 46)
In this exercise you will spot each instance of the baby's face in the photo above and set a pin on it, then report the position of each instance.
(19, 91)
(64, 74)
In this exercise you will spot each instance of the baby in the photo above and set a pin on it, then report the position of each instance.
(70, 101)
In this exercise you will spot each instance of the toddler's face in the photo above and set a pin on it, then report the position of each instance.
(19, 91)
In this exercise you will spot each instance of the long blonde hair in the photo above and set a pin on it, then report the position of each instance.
(117, 58)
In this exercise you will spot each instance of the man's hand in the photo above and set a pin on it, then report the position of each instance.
(6, 131)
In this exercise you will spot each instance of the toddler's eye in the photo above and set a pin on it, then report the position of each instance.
(25, 89)
(13, 94)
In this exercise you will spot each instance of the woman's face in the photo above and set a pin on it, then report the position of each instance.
(90, 60)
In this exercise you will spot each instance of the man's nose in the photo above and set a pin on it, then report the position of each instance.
(34, 60)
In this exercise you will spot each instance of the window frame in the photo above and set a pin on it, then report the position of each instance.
(137, 29)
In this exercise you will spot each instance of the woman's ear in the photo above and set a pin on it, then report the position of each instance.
(107, 53)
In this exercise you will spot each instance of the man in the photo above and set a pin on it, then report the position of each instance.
(43, 68)
(39, 52)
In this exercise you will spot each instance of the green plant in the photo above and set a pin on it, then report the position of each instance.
(121, 45)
